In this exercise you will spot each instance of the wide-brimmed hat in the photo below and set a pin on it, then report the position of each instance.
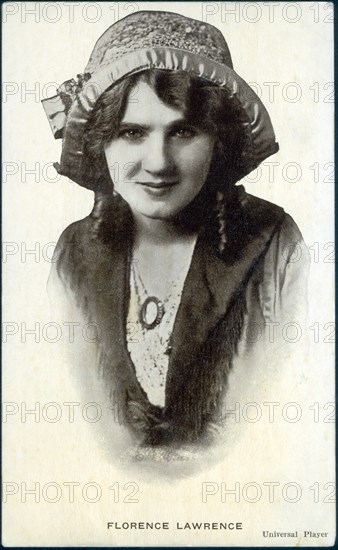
(155, 40)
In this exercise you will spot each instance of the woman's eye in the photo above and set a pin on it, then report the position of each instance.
(185, 133)
(132, 134)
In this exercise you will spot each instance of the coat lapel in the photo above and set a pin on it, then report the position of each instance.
(213, 283)
(108, 294)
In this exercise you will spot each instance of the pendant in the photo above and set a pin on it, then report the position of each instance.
(151, 312)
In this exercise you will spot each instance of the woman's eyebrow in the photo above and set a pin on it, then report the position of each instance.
(134, 125)
(144, 126)
(180, 122)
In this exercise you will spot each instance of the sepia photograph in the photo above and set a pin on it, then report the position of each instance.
(169, 329)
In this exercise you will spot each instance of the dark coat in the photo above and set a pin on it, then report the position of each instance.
(222, 294)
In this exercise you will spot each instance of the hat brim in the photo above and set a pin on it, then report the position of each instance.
(260, 140)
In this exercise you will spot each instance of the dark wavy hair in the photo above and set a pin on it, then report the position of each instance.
(203, 104)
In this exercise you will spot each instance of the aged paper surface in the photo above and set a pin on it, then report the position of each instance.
(273, 482)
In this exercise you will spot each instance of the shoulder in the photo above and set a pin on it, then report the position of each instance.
(268, 229)
(92, 245)
(287, 263)
(281, 275)
(263, 215)
(286, 243)
(252, 216)
(80, 254)
(251, 224)
(72, 245)
(260, 211)
(74, 233)
(289, 232)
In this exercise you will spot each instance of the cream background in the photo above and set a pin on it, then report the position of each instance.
(42, 52)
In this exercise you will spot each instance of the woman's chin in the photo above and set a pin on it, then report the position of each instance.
(161, 211)
(160, 215)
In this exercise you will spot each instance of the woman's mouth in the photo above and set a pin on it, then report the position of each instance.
(158, 185)
(158, 189)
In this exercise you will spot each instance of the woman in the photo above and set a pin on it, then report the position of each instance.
(179, 268)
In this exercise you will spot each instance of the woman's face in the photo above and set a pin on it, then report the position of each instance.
(158, 162)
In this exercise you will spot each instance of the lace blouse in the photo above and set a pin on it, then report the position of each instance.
(149, 348)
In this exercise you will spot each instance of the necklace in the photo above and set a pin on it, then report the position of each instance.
(152, 310)
(150, 325)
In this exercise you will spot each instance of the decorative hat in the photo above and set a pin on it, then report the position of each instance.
(155, 40)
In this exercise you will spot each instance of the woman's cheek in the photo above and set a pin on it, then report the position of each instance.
(201, 152)
(123, 163)
(197, 164)
(129, 163)
(129, 174)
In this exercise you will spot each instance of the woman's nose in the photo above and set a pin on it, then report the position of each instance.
(157, 155)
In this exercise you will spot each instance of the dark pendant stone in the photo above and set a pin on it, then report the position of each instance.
(152, 312)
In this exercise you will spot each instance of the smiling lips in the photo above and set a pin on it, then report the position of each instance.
(158, 185)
